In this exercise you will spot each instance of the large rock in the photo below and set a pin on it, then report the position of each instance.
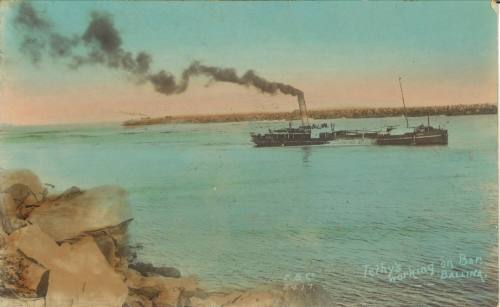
(31, 274)
(79, 273)
(16, 302)
(97, 208)
(135, 280)
(18, 278)
(162, 291)
(20, 191)
(23, 185)
(168, 298)
(147, 269)
(135, 300)
(69, 193)
(8, 214)
(113, 243)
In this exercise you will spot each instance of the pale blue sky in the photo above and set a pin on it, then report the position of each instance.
(286, 41)
(299, 35)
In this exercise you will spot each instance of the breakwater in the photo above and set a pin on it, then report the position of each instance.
(450, 110)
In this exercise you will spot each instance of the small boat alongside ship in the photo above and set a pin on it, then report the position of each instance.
(308, 134)
(420, 135)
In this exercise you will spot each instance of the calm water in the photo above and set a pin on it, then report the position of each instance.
(209, 203)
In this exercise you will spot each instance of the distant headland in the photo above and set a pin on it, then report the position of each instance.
(450, 110)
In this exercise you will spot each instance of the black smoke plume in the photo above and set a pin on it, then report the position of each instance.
(165, 83)
(101, 44)
(28, 17)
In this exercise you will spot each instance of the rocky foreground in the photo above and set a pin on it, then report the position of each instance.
(72, 249)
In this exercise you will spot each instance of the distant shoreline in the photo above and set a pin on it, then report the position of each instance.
(450, 110)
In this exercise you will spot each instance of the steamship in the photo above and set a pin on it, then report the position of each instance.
(308, 134)
(290, 136)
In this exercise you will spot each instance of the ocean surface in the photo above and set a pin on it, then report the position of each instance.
(375, 226)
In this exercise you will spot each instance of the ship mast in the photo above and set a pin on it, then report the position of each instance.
(403, 98)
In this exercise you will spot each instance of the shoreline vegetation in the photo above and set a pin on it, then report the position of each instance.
(72, 249)
(449, 110)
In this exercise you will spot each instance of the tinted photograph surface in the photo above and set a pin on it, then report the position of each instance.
(289, 154)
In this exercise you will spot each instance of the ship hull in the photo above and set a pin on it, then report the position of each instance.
(417, 140)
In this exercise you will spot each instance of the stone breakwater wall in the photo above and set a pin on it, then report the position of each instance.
(453, 110)
(72, 250)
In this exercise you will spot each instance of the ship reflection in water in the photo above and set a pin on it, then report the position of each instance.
(306, 154)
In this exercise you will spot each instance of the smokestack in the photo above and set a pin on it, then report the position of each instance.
(303, 110)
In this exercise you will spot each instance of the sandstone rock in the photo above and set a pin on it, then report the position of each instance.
(130, 252)
(79, 274)
(101, 285)
(147, 269)
(3, 237)
(8, 214)
(113, 242)
(94, 209)
(24, 191)
(24, 199)
(168, 298)
(135, 280)
(147, 292)
(64, 289)
(69, 193)
(10, 280)
(134, 300)
(19, 275)
(9, 178)
(43, 285)
(37, 245)
(11, 302)
(108, 249)
(19, 192)
(183, 301)
(199, 293)
(199, 302)
(164, 291)
(31, 274)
